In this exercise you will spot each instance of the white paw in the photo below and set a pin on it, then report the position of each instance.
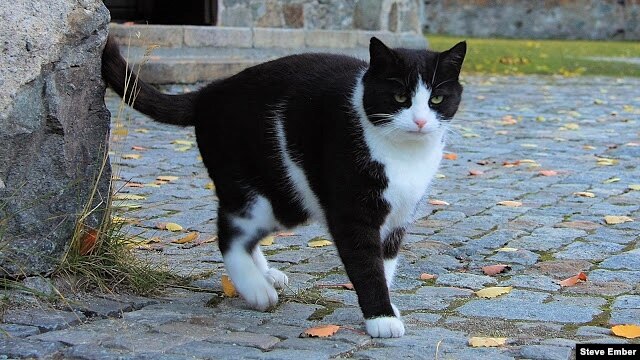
(277, 278)
(258, 293)
(385, 327)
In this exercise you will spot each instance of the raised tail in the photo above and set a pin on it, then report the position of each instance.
(168, 109)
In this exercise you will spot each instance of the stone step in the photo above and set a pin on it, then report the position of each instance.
(191, 54)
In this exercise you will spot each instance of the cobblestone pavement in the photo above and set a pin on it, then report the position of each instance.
(567, 149)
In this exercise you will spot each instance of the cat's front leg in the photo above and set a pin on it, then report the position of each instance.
(360, 248)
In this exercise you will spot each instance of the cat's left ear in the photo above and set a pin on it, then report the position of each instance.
(382, 58)
(453, 58)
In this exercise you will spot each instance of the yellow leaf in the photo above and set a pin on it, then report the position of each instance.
(187, 238)
(584, 194)
(167, 178)
(182, 142)
(183, 148)
(210, 186)
(128, 197)
(635, 187)
(527, 161)
(227, 287)
(440, 176)
(142, 131)
(493, 291)
(121, 220)
(172, 227)
(479, 341)
(510, 203)
(613, 220)
(321, 331)
(318, 242)
(602, 161)
(131, 156)
(266, 241)
(626, 331)
(611, 180)
(572, 126)
(507, 249)
(120, 132)
(151, 185)
(589, 147)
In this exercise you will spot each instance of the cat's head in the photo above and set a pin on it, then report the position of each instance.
(410, 93)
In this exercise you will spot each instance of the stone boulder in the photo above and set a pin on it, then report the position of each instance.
(54, 128)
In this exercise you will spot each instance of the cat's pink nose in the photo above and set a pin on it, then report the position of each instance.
(420, 122)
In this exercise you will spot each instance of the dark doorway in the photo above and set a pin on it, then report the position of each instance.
(167, 12)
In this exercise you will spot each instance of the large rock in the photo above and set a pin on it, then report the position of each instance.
(53, 128)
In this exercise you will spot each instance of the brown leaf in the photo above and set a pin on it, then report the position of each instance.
(438, 202)
(626, 331)
(227, 287)
(285, 234)
(346, 286)
(88, 242)
(510, 203)
(495, 269)
(475, 172)
(187, 238)
(138, 148)
(573, 280)
(425, 276)
(450, 156)
(548, 172)
(321, 331)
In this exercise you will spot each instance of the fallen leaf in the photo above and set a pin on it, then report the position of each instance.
(571, 126)
(509, 120)
(183, 148)
(134, 184)
(510, 203)
(440, 176)
(126, 204)
(529, 146)
(318, 242)
(210, 186)
(128, 197)
(142, 131)
(425, 276)
(187, 238)
(167, 178)
(495, 269)
(182, 142)
(438, 202)
(626, 331)
(88, 242)
(573, 280)
(511, 163)
(507, 249)
(285, 234)
(450, 156)
(528, 161)
(321, 331)
(131, 156)
(614, 219)
(227, 287)
(494, 291)
(501, 132)
(120, 132)
(611, 180)
(479, 341)
(589, 147)
(346, 286)
(635, 187)
(602, 161)
(267, 240)
(548, 172)
(138, 148)
(584, 194)
(169, 226)
(475, 172)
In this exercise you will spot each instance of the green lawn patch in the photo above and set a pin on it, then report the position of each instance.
(547, 57)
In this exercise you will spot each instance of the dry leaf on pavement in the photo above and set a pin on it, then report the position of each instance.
(573, 280)
(614, 220)
(227, 287)
(510, 203)
(187, 238)
(438, 202)
(626, 331)
(321, 331)
(318, 242)
(479, 341)
(494, 291)
(495, 269)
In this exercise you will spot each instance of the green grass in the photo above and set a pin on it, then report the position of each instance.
(546, 57)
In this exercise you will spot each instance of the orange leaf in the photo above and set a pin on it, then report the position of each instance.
(88, 242)
(227, 287)
(438, 202)
(626, 331)
(425, 276)
(321, 331)
(495, 269)
(134, 184)
(475, 172)
(511, 163)
(548, 172)
(138, 148)
(285, 234)
(574, 279)
(187, 238)
(450, 156)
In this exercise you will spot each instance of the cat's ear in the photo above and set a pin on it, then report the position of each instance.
(383, 59)
(452, 59)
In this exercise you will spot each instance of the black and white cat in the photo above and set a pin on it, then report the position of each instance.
(322, 137)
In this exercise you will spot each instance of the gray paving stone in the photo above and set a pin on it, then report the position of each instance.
(588, 251)
(524, 257)
(629, 260)
(327, 346)
(281, 354)
(592, 331)
(627, 302)
(465, 280)
(241, 338)
(546, 352)
(625, 316)
(26, 348)
(100, 307)
(210, 350)
(539, 282)
(45, 320)
(18, 331)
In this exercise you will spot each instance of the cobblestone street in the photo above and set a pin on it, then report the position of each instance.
(563, 152)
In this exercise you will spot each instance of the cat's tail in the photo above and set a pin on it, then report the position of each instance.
(168, 109)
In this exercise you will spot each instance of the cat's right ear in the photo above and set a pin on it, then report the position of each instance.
(382, 59)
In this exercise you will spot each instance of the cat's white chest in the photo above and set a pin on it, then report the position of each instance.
(409, 170)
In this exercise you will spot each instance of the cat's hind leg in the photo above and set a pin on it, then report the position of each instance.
(274, 276)
(239, 234)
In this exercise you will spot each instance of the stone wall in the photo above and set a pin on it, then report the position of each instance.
(543, 19)
(387, 15)
(53, 127)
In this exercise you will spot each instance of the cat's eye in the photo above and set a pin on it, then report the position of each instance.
(400, 98)
(436, 99)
